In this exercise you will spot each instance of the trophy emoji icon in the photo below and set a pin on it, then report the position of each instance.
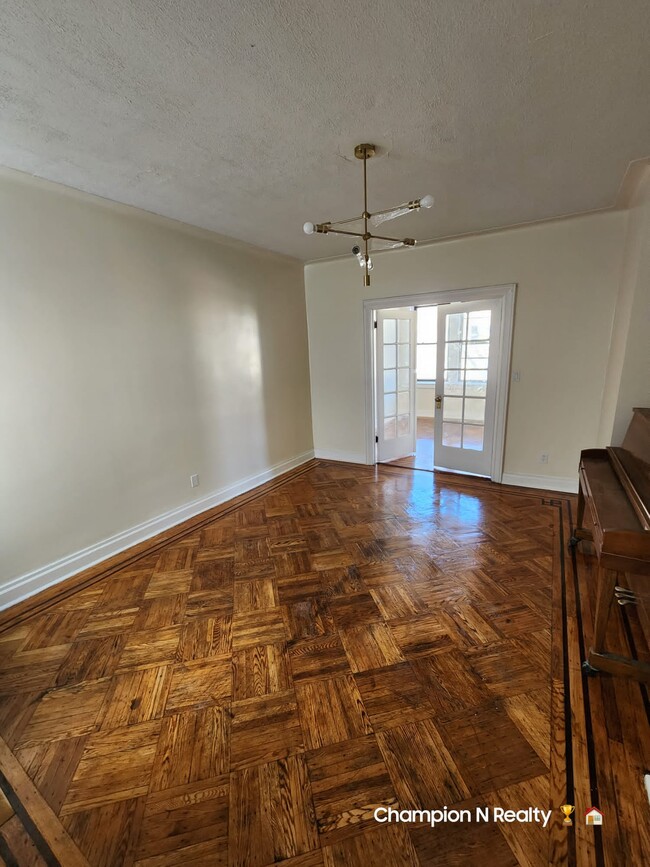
(567, 809)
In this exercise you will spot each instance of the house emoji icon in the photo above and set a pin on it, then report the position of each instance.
(593, 816)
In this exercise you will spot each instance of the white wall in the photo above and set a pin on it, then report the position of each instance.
(567, 273)
(134, 352)
(628, 374)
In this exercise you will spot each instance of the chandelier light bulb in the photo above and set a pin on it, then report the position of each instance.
(426, 201)
(308, 228)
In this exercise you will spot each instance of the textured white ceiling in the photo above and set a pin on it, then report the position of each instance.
(240, 115)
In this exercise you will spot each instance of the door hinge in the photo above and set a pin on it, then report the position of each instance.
(376, 439)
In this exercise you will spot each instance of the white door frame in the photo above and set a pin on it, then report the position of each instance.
(506, 294)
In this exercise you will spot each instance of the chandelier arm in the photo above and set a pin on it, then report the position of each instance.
(413, 205)
(386, 238)
(348, 220)
(329, 231)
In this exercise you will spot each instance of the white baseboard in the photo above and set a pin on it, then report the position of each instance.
(566, 484)
(336, 455)
(33, 582)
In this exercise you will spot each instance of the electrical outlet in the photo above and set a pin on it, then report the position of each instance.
(543, 458)
(194, 480)
(516, 376)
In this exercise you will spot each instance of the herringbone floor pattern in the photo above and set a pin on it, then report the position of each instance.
(251, 693)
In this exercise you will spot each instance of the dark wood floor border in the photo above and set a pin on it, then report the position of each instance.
(28, 826)
(562, 848)
(584, 684)
(39, 820)
(40, 602)
(7, 855)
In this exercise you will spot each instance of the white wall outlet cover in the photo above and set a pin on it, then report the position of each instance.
(194, 481)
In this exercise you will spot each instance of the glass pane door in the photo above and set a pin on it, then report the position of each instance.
(468, 334)
(395, 359)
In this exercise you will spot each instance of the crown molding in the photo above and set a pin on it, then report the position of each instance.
(631, 180)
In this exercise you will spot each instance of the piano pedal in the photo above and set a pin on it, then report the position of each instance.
(588, 669)
(624, 596)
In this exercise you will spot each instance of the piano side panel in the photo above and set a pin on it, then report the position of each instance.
(610, 505)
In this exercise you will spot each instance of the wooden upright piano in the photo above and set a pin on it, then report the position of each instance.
(615, 489)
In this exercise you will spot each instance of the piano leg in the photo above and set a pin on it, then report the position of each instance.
(598, 658)
(607, 581)
(580, 514)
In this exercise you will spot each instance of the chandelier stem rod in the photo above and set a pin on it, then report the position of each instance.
(365, 215)
(365, 188)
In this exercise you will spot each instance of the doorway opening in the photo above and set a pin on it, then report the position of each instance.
(437, 379)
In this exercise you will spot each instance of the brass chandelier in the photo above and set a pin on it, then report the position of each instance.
(370, 242)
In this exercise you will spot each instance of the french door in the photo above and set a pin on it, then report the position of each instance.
(469, 334)
(395, 379)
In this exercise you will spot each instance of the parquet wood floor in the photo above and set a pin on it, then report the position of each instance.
(351, 638)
